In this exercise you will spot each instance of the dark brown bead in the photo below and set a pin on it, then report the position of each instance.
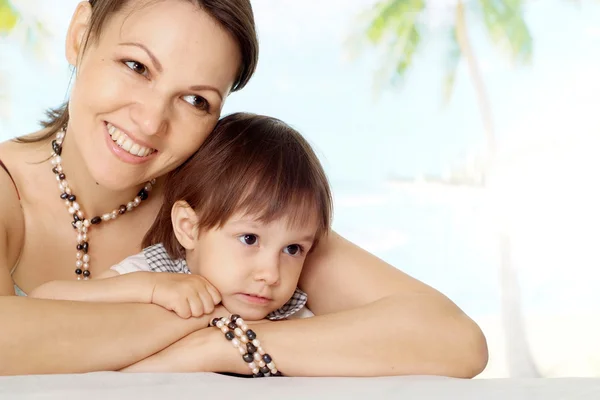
(259, 375)
(265, 370)
(234, 317)
(56, 147)
(64, 196)
(251, 348)
(96, 220)
(55, 170)
(251, 335)
(248, 357)
(232, 325)
(229, 335)
(267, 358)
(79, 247)
(75, 217)
(122, 209)
(85, 247)
(72, 197)
(78, 271)
(143, 194)
(214, 321)
(74, 224)
(62, 176)
(86, 273)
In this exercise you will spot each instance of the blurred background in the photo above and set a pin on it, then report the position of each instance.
(460, 137)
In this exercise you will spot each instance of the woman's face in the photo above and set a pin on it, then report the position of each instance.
(149, 90)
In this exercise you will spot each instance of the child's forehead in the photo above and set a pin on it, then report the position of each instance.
(303, 220)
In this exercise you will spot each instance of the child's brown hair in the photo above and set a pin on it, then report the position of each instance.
(249, 163)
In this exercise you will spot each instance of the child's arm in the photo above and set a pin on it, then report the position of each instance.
(109, 287)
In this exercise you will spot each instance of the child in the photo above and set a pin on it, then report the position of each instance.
(237, 222)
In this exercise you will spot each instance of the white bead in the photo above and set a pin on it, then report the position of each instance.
(219, 324)
(244, 339)
(130, 206)
(224, 329)
(84, 237)
(67, 203)
(114, 214)
(71, 210)
(79, 224)
(255, 371)
(274, 371)
(235, 342)
(252, 365)
(261, 363)
(79, 264)
(84, 229)
(76, 206)
(56, 160)
(86, 266)
(106, 217)
(68, 190)
(64, 183)
(148, 187)
(78, 277)
(137, 201)
(238, 332)
(60, 135)
(257, 357)
(244, 327)
(79, 255)
(59, 168)
(80, 214)
(260, 351)
(57, 178)
(242, 350)
(256, 342)
(80, 238)
(86, 258)
(87, 278)
(239, 322)
(87, 223)
(271, 365)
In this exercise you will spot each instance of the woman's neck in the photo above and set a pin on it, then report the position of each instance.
(94, 199)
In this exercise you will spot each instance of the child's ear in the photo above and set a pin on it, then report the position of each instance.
(185, 224)
(80, 23)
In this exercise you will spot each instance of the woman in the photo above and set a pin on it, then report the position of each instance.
(155, 75)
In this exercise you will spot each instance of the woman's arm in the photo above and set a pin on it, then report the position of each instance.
(371, 320)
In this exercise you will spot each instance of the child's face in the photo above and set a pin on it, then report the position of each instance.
(255, 266)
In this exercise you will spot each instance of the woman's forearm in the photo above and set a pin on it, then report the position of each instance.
(48, 336)
(397, 335)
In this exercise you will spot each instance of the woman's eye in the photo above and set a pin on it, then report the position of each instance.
(293, 249)
(137, 67)
(249, 239)
(197, 101)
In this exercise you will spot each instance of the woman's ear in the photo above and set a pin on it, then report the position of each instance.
(80, 23)
(185, 224)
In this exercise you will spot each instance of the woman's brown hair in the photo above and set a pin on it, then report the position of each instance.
(234, 16)
(253, 164)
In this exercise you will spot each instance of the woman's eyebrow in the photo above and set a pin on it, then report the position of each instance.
(153, 58)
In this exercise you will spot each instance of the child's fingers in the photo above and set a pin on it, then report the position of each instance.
(196, 305)
(182, 308)
(207, 301)
(214, 293)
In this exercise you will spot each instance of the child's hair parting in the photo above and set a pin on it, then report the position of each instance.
(253, 164)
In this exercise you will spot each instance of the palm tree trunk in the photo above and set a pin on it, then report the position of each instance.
(520, 361)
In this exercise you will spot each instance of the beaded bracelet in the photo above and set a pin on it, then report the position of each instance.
(244, 339)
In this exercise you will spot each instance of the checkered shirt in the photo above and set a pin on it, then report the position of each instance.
(159, 261)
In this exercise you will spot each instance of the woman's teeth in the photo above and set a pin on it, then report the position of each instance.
(124, 142)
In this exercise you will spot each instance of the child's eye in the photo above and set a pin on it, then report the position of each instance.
(248, 239)
(137, 67)
(197, 101)
(293, 249)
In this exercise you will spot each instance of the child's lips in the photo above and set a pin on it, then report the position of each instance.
(255, 299)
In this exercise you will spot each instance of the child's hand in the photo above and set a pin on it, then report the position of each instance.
(186, 295)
